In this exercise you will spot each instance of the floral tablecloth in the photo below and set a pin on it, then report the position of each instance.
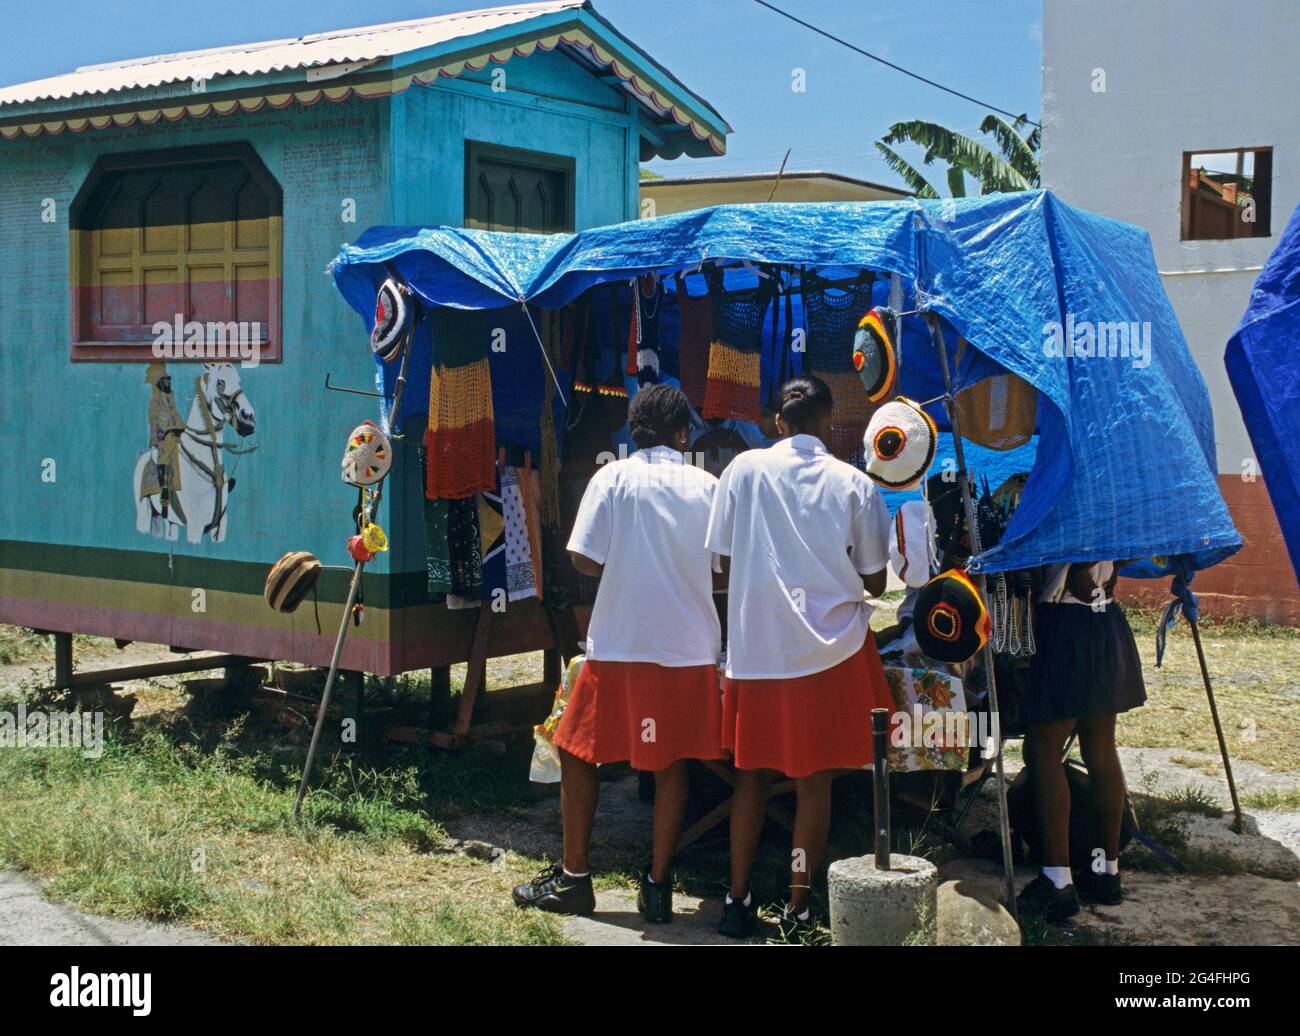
(919, 739)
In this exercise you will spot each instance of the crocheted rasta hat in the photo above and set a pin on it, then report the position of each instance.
(874, 356)
(290, 580)
(899, 444)
(950, 621)
(367, 457)
(391, 312)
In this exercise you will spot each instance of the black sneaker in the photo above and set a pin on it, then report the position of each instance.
(797, 927)
(655, 900)
(737, 917)
(1042, 897)
(557, 893)
(1104, 889)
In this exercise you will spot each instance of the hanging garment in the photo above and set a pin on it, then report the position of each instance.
(531, 494)
(643, 333)
(831, 316)
(736, 351)
(464, 552)
(503, 534)
(999, 412)
(521, 578)
(437, 550)
(696, 320)
(461, 439)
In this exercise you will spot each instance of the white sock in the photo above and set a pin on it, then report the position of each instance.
(569, 874)
(748, 895)
(1112, 867)
(1059, 876)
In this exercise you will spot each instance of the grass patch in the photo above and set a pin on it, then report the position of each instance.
(1273, 799)
(1249, 663)
(165, 826)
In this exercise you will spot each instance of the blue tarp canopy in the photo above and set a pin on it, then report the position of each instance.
(1125, 466)
(1264, 369)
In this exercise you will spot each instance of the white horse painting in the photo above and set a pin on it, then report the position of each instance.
(206, 477)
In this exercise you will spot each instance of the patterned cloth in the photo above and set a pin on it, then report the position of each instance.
(940, 744)
(521, 579)
(464, 552)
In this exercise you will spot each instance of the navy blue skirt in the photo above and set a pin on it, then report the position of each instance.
(1087, 665)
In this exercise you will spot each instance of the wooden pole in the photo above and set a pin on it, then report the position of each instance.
(1218, 727)
(954, 419)
(367, 515)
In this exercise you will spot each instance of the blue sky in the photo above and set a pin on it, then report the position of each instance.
(738, 55)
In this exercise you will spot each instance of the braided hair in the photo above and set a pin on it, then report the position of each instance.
(656, 414)
(804, 402)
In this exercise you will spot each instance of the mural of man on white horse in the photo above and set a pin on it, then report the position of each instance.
(183, 478)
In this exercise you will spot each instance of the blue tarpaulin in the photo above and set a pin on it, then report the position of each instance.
(1264, 369)
(1068, 300)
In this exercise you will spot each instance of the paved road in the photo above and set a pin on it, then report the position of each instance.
(27, 919)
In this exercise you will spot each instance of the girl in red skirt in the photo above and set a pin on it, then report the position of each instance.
(805, 534)
(648, 692)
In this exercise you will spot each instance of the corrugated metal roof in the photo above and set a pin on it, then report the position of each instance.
(366, 44)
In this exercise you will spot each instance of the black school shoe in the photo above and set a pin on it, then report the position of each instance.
(557, 893)
(1043, 898)
(1103, 889)
(655, 900)
(737, 917)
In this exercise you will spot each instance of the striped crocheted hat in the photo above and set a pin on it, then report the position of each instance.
(900, 444)
(290, 580)
(950, 621)
(390, 320)
(874, 355)
(368, 455)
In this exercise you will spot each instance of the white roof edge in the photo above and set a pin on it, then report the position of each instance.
(365, 43)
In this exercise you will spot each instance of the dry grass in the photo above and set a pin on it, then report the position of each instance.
(1256, 674)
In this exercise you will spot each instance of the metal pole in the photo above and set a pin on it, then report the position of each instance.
(368, 515)
(1218, 727)
(880, 785)
(1004, 827)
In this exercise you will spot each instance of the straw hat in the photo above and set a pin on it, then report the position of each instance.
(390, 321)
(367, 457)
(950, 621)
(874, 355)
(290, 580)
(899, 444)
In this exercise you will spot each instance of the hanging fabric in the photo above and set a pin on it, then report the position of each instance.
(461, 439)
(736, 351)
(696, 319)
(521, 579)
(831, 318)
(998, 412)
(465, 554)
(643, 333)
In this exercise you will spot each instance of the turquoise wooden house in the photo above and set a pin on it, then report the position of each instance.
(167, 324)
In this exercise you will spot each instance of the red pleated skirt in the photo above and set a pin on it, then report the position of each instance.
(646, 714)
(807, 724)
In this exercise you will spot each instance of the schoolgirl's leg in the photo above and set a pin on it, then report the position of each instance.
(1097, 744)
(579, 793)
(672, 786)
(748, 805)
(1044, 746)
(812, 824)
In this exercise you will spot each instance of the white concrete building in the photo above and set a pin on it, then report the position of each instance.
(1183, 119)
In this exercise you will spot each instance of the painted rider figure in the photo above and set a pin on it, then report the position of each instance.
(163, 475)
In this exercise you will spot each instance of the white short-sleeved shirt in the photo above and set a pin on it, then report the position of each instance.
(802, 528)
(645, 519)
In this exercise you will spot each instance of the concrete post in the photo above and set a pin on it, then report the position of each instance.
(872, 907)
